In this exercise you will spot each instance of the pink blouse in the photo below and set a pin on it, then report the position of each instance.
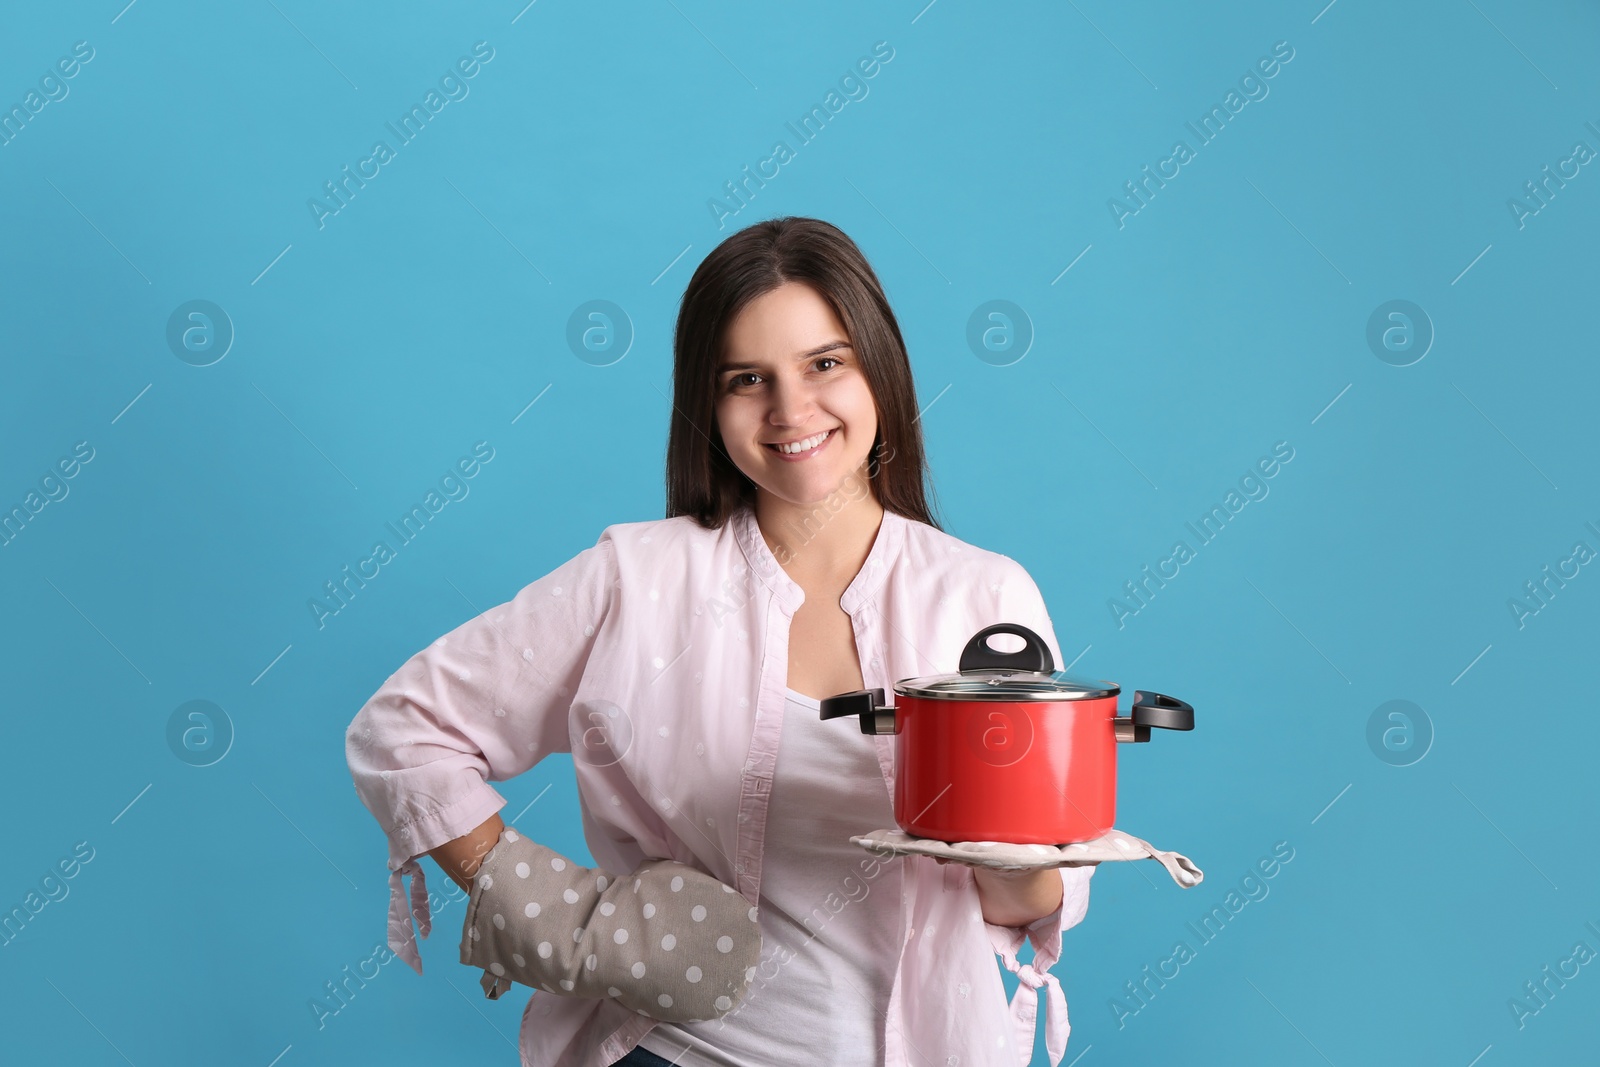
(659, 659)
(817, 962)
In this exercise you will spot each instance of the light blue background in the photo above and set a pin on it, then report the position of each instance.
(1228, 314)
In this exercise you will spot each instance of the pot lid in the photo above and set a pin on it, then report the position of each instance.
(1006, 685)
(989, 674)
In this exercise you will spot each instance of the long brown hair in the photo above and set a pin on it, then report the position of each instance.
(702, 481)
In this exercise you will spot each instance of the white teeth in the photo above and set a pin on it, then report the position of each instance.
(802, 446)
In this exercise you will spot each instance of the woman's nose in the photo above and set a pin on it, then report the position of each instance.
(792, 403)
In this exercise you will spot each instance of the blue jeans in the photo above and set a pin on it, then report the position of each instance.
(642, 1057)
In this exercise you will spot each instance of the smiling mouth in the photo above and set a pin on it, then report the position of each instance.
(804, 445)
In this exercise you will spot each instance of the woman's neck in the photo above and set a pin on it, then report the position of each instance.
(822, 545)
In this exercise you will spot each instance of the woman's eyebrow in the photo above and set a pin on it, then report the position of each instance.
(819, 350)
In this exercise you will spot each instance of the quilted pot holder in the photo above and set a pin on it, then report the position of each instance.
(1005, 856)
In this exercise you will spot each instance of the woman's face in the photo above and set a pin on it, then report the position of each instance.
(788, 375)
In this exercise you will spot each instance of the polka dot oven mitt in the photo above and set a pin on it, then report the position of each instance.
(668, 941)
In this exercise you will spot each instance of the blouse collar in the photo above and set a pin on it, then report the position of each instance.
(885, 549)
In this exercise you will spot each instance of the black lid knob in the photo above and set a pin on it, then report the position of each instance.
(1033, 656)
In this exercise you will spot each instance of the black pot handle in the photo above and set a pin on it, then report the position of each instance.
(876, 718)
(1158, 709)
(1034, 655)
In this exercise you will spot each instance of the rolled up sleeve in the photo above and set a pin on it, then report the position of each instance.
(483, 703)
(1045, 935)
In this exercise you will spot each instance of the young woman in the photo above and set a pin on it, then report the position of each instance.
(681, 662)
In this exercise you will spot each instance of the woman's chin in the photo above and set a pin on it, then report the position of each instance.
(833, 490)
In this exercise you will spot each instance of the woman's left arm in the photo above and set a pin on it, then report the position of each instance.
(1017, 898)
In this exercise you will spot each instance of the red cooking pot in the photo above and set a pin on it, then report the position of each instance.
(1009, 749)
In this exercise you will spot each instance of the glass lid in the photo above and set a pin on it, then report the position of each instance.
(1007, 685)
(987, 673)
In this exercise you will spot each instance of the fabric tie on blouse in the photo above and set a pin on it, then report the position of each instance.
(401, 940)
(1024, 1011)
(1025, 1002)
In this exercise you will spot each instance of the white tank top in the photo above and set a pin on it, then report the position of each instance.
(839, 930)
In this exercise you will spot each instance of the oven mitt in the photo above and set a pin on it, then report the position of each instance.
(1000, 855)
(668, 941)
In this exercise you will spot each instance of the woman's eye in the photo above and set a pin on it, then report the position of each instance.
(738, 381)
